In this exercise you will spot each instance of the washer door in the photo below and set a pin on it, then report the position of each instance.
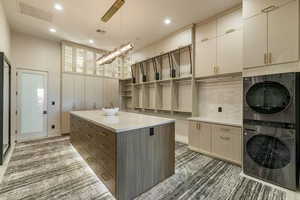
(268, 151)
(268, 97)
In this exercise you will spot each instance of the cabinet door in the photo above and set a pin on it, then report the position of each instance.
(255, 41)
(206, 31)
(230, 22)
(200, 136)
(111, 92)
(255, 7)
(99, 93)
(283, 34)
(226, 143)
(79, 92)
(230, 52)
(67, 101)
(206, 57)
(90, 92)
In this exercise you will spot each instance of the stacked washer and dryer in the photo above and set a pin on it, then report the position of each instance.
(271, 128)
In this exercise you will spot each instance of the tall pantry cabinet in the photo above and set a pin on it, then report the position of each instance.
(81, 92)
(271, 32)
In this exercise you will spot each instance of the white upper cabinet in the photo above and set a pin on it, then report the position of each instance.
(283, 37)
(219, 46)
(206, 32)
(229, 23)
(230, 52)
(272, 37)
(255, 41)
(206, 57)
(255, 7)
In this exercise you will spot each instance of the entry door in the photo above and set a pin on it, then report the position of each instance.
(32, 104)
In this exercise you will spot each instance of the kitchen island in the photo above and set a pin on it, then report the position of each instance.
(130, 153)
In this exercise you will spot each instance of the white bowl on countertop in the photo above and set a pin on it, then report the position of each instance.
(110, 111)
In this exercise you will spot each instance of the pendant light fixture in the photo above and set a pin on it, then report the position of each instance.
(108, 58)
(112, 10)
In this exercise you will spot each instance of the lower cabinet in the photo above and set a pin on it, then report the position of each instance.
(200, 137)
(224, 142)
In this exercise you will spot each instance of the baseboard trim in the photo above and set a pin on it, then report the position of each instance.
(182, 139)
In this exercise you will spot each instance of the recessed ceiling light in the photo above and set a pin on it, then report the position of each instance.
(91, 41)
(52, 30)
(167, 21)
(58, 6)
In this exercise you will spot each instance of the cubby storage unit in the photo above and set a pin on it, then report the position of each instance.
(149, 92)
(126, 94)
(164, 90)
(182, 95)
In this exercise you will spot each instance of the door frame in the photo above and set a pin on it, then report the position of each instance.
(31, 136)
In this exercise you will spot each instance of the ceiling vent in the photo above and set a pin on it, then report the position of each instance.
(34, 12)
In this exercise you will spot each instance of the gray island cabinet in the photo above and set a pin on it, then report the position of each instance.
(130, 153)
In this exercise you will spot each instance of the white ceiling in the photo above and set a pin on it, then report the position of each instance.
(138, 21)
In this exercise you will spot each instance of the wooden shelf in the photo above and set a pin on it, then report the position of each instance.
(182, 111)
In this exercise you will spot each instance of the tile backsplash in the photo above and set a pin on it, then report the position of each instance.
(228, 95)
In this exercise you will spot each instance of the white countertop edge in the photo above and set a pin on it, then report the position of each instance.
(227, 123)
(166, 121)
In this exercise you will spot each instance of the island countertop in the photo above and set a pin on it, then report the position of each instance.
(122, 122)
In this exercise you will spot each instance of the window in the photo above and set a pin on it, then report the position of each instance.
(90, 62)
(79, 60)
(99, 68)
(68, 59)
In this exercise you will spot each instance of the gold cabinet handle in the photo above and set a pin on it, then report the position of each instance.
(105, 176)
(204, 39)
(269, 9)
(103, 134)
(225, 138)
(225, 129)
(270, 58)
(199, 126)
(216, 69)
(230, 30)
(266, 58)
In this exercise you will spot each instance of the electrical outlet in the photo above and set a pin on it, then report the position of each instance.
(53, 126)
(220, 109)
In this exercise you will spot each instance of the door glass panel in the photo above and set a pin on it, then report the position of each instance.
(268, 152)
(79, 60)
(90, 62)
(68, 57)
(268, 97)
(32, 103)
(6, 109)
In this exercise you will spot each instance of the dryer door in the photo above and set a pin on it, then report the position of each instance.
(270, 153)
(268, 97)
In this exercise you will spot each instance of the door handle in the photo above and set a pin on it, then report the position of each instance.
(270, 58)
(45, 112)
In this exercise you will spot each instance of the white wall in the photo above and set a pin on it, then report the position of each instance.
(4, 33)
(33, 53)
(171, 42)
(228, 95)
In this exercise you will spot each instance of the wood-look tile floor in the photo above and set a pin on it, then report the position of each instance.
(52, 169)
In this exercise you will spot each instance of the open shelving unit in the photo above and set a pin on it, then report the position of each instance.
(183, 96)
(162, 84)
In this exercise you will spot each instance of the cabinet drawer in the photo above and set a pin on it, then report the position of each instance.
(226, 143)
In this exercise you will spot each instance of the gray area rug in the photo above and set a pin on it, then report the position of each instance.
(52, 169)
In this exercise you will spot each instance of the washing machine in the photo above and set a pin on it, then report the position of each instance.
(270, 152)
(271, 97)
